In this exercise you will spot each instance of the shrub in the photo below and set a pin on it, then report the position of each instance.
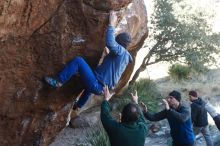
(147, 93)
(179, 72)
(96, 136)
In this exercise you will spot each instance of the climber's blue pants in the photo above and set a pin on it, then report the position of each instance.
(78, 65)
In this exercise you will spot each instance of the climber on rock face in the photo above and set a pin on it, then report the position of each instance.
(107, 73)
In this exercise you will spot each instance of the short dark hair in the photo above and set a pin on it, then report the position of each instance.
(130, 113)
(124, 39)
(193, 93)
(176, 95)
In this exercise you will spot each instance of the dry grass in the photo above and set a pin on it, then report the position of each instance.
(206, 85)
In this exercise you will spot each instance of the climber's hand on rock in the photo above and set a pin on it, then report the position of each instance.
(112, 18)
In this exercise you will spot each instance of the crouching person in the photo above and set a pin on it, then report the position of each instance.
(132, 129)
(179, 119)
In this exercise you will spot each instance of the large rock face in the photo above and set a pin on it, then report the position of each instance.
(37, 38)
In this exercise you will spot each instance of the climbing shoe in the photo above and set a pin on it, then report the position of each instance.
(52, 82)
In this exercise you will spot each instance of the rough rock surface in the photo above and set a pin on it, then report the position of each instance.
(37, 38)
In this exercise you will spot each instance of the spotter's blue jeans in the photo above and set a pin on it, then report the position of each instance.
(205, 132)
(79, 65)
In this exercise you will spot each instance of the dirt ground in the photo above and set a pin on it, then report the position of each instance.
(207, 87)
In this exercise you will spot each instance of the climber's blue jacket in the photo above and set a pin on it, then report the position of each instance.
(114, 64)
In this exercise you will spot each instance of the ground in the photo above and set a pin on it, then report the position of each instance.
(207, 86)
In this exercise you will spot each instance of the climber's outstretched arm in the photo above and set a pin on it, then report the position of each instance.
(111, 43)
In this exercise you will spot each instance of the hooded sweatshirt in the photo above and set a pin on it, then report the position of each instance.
(199, 113)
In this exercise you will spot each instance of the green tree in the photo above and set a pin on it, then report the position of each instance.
(181, 34)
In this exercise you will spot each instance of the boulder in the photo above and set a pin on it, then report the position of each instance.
(37, 38)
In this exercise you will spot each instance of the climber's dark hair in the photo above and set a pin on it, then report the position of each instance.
(130, 113)
(124, 39)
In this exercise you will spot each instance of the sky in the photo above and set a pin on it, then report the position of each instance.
(210, 5)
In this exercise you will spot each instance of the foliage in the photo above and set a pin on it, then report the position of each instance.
(177, 38)
(147, 93)
(178, 32)
(179, 72)
(96, 136)
(196, 64)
